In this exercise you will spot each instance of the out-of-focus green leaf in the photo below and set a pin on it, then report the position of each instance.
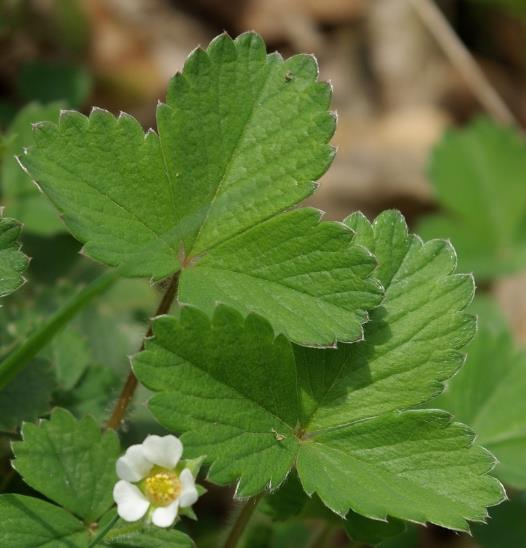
(478, 175)
(70, 356)
(45, 82)
(93, 394)
(362, 529)
(12, 261)
(27, 396)
(19, 195)
(507, 526)
(489, 394)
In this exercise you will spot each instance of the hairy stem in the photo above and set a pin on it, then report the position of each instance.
(130, 386)
(464, 62)
(242, 521)
(20, 357)
(104, 531)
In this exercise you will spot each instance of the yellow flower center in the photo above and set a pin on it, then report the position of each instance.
(162, 487)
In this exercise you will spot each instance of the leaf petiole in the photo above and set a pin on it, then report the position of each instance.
(242, 521)
(104, 531)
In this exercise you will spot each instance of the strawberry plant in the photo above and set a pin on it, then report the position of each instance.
(289, 358)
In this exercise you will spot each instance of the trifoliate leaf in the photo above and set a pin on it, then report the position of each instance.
(28, 522)
(478, 176)
(27, 396)
(12, 261)
(488, 394)
(255, 408)
(242, 138)
(19, 194)
(71, 462)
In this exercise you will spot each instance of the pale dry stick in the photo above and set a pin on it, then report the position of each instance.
(130, 386)
(464, 62)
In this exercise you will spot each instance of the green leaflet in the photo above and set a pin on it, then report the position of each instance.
(242, 413)
(305, 275)
(488, 394)
(150, 537)
(256, 406)
(28, 522)
(242, 138)
(71, 462)
(478, 177)
(12, 261)
(19, 194)
(412, 342)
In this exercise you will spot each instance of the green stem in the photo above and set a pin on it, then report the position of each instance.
(117, 415)
(20, 357)
(242, 521)
(104, 531)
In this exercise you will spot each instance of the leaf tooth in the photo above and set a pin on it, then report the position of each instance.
(222, 48)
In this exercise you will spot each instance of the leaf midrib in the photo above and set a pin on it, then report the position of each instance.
(235, 148)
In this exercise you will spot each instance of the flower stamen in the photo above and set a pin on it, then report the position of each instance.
(162, 487)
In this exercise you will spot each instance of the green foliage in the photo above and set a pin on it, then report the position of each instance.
(149, 537)
(290, 501)
(45, 82)
(335, 414)
(70, 462)
(27, 396)
(488, 394)
(28, 522)
(507, 526)
(19, 194)
(70, 357)
(12, 261)
(361, 529)
(478, 176)
(242, 138)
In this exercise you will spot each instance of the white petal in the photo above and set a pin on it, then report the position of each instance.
(164, 451)
(133, 465)
(189, 493)
(131, 503)
(164, 516)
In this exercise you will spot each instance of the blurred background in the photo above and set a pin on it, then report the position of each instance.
(396, 91)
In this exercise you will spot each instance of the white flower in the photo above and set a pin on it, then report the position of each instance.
(150, 478)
